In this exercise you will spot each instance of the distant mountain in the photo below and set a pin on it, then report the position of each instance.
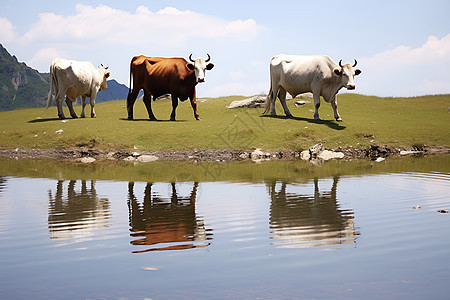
(22, 86)
(115, 91)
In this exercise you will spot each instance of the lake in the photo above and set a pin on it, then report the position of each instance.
(179, 230)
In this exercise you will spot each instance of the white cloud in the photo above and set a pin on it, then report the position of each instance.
(6, 30)
(432, 51)
(168, 26)
(408, 71)
(44, 57)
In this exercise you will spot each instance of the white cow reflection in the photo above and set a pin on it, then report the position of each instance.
(77, 213)
(308, 220)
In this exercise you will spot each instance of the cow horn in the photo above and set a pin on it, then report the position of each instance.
(190, 58)
(354, 65)
(340, 63)
(209, 58)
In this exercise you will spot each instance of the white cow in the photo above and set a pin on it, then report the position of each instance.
(72, 79)
(318, 74)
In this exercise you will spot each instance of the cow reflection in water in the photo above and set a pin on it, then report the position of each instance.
(171, 222)
(76, 214)
(304, 220)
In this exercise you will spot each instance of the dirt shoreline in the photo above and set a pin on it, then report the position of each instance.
(224, 155)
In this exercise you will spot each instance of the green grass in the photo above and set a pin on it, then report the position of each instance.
(367, 120)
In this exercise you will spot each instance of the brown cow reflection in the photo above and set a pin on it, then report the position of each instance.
(308, 220)
(171, 222)
(77, 213)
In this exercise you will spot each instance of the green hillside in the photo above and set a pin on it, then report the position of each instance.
(20, 85)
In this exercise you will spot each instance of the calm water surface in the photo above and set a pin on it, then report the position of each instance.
(217, 231)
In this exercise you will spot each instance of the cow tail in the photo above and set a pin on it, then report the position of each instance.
(131, 74)
(267, 103)
(52, 85)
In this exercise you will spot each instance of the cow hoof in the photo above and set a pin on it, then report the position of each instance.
(339, 120)
(153, 119)
(83, 116)
(130, 118)
(172, 119)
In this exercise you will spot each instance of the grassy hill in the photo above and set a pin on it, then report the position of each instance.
(20, 85)
(367, 120)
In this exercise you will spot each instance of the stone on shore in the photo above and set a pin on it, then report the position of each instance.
(147, 158)
(253, 102)
(318, 152)
(87, 160)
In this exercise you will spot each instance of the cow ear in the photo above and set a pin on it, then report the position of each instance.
(209, 66)
(337, 71)
(358, 71)
(190, 66)
(107, 74)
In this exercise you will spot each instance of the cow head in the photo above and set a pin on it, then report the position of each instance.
(199, 66)
(104, 74)
(347, 73)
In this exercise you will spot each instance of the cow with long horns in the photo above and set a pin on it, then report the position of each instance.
(158, 76)
(318, 74)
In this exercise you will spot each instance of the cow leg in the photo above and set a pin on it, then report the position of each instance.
(58, 101)
(130, 102)
(174, 107)
(92, 101)
(70, 106)
(282, 96)
(316, 96)
(83, 105)
(273, 98)
(148, 105)
(336, 113)
(193, 99)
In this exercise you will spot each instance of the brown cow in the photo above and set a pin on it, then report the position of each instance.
(158, 76)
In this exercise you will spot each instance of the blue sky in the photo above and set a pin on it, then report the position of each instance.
(402, 47)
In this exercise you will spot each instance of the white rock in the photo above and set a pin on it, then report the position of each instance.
(257, 154)
(135, 154)
(380, 159)
(316, 149)
(327, 155)
(87, 160)
(256, 101)
(147, 158)
(129, 158)
(305, 155)
(59, 131)
(301, 102)
(408, 152)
